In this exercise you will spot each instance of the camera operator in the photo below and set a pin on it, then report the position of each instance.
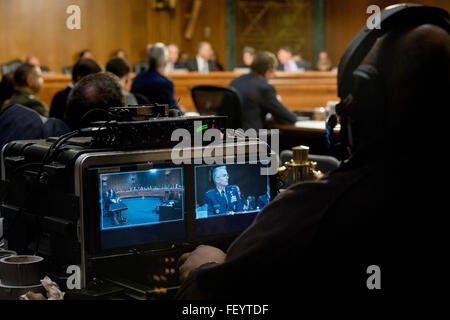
(319, 238)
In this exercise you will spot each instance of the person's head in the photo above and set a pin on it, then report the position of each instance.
(157, 56)
(83, 68)
(323, 61)
(413, 66)
(121, 69)
(120, 54)
(86, 54)
(6, 88)
(220, 177)
(248, 54)
(205, 50)
(28, 77)
(33, 60)
(184, 57)
(264, 64)
(95, 91)
(284, 54)
(173, 52)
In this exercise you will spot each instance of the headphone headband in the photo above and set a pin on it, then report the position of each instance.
(389, 18)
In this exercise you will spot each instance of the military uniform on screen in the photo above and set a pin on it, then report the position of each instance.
(222, 203)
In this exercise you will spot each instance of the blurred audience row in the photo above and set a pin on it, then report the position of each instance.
(204, 61)
(95, 88)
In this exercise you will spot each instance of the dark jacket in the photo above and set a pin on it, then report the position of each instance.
(317, 239)
(259, 98)
(155, 87)
(192, 65)
(59, 101)
(21, 123)
(29, 100)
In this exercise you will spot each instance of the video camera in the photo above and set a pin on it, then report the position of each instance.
(111, 201)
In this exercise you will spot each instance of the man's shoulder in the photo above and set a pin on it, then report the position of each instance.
(233, 187)
(211, 194)
(63, 93)
(248, 79)
(27, 99)
(151, 77)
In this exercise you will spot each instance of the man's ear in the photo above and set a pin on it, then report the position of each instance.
(30, 80)
(126, 79)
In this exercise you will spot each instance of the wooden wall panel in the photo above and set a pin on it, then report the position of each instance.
(39, 27)
(344, 19)
(268, 25)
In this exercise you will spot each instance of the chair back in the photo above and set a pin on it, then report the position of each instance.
(67, 70)
(10, 66)
(219, 101)
(140, 67)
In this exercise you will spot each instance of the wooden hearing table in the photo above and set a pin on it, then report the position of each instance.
(299, 91)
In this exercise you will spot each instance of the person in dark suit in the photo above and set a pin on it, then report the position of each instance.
(121, 69)
(152, 83)
(223, 199)
(173, 62)
(203, 62)
(258, 96)
(21, 123)
(248, 53)
(81, 69)
(289, 63)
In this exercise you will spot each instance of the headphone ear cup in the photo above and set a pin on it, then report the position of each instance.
(367, 112)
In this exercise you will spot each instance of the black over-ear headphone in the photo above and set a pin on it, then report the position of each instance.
(360, 87)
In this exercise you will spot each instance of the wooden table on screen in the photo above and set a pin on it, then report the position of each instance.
(300, 91)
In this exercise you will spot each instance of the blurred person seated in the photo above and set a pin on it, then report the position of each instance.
(120, 54)
(95, 94)
(248, 53)
(121, 69)
(28, 81)
(31, 59)
(21, 123)
(288, 63)
(203, 62)
(152, 83)
(86, 54)
(323, 62)
(258, 96)
(173, 62)
(317, 239)
(184, 57)
(81, 69)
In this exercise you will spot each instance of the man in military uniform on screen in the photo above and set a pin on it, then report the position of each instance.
(223, 199)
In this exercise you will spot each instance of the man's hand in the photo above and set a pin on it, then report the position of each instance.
(201, 255)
